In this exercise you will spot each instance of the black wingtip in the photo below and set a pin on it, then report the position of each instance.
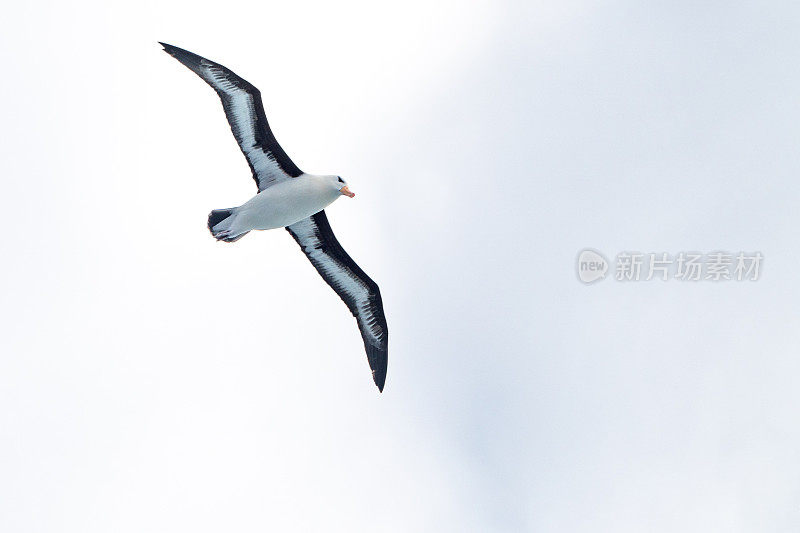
(175, 51)
(189, 59)
(378, 362)
(379, 377)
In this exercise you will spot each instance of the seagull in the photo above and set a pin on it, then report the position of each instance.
(289, 198)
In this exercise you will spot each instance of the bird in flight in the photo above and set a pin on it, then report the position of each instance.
(288, 197)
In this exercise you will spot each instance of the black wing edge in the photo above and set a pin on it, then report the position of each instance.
(378, 356)
(263, 134)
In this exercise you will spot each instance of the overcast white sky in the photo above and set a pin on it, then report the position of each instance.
(152, 379)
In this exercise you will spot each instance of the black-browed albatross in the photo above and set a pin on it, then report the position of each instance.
(288, 197)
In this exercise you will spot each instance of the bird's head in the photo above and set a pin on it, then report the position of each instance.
(340, 185)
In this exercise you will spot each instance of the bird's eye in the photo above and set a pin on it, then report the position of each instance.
(341, 180)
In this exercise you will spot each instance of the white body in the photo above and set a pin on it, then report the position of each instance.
(282, 204)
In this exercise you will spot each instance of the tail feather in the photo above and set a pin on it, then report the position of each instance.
(216, 216)
(219, 224)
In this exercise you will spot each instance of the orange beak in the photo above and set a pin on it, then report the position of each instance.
(344, 190)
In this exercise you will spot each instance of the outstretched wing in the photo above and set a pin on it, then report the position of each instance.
(245, 112)
(354, 287)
